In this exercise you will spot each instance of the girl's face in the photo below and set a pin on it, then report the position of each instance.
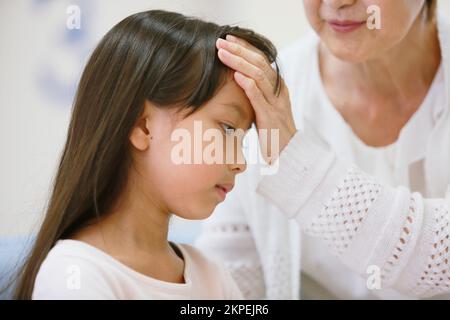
(343, 25)
(163, 137)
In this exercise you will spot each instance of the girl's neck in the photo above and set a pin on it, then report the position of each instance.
(138, 220)
(135, 233)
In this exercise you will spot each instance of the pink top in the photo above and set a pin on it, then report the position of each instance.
(76, 270)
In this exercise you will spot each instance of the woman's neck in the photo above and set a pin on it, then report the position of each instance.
(378, 97)
(398, 75)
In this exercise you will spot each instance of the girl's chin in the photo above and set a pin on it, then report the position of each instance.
(199, 214)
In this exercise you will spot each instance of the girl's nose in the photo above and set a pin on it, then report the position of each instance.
(238, 167)
(239, 164)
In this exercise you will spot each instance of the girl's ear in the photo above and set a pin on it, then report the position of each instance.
(140, 135)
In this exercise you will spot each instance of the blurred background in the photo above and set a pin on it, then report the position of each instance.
(41, 60)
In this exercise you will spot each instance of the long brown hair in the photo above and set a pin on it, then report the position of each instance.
(431, 6)
(164, 57)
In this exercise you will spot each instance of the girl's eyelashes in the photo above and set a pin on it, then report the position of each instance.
(227, 128)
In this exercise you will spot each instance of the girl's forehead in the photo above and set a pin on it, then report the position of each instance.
(232, 94)
(231, 99)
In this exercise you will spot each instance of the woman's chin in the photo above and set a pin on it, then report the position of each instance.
(349, 50)
(350, 54)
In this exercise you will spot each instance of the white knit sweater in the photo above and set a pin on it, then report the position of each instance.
(321, 197)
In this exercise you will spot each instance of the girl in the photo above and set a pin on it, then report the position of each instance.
(105, 231)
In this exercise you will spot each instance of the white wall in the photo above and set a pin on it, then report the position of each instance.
(40, 62)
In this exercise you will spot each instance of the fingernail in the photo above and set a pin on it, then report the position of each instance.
(220, 41)
(229, 37)
(224, 52)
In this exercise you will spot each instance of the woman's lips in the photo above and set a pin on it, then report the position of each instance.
(345, 26)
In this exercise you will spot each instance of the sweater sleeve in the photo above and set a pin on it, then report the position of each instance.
(369, 226)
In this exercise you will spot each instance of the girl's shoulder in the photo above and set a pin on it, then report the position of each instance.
(73, 270)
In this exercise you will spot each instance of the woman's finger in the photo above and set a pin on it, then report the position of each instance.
(254, 94)
(255, 58)
(243, 66)
(246, 45)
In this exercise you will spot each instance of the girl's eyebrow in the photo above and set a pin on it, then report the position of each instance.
(238, 109)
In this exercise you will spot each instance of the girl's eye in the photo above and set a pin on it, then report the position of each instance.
(227, 128)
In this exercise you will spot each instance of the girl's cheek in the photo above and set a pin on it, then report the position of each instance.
(197, 177)
(173, 158)
(191, 190)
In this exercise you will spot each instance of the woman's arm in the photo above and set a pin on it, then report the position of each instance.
(374, 229)
(390, 232)
(226, 236)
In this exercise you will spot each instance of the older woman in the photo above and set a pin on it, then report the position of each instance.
(360, 203)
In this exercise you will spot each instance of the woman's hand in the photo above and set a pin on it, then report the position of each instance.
(254, 74)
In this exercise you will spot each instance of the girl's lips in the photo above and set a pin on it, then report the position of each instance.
(223, 189)
(222, 193)
(345, 26)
